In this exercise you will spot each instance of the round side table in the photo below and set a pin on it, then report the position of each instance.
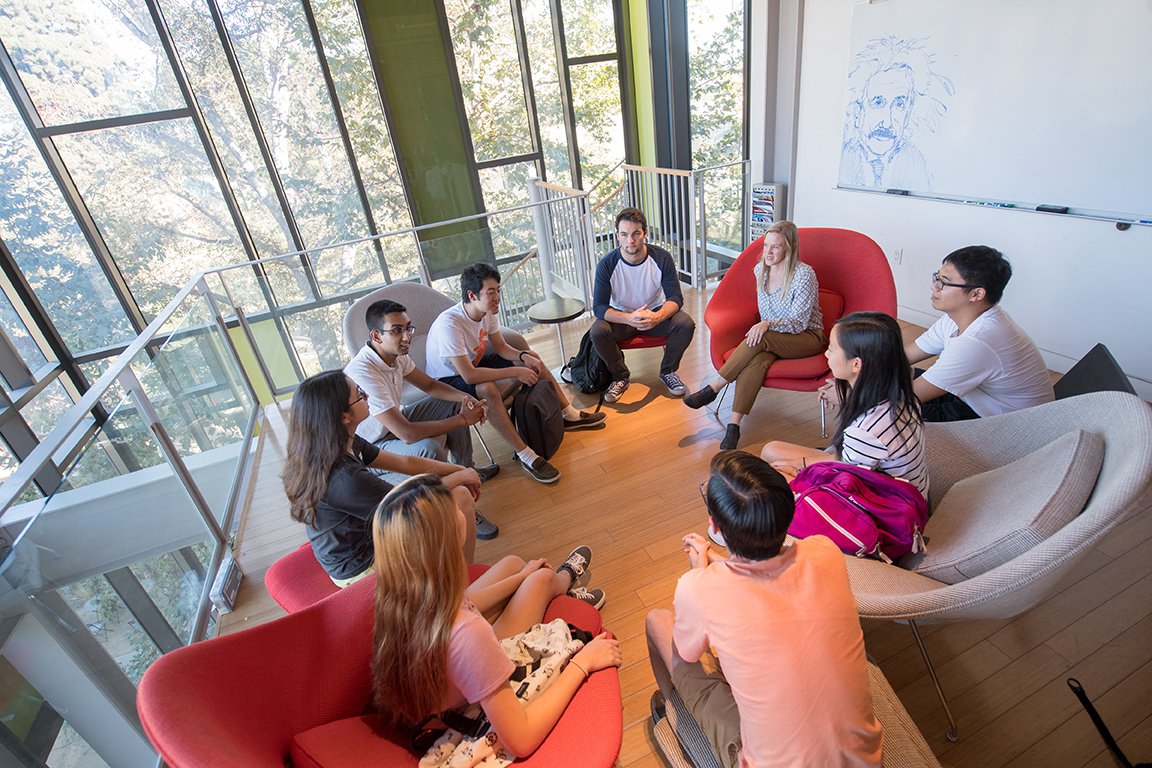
(555, 312)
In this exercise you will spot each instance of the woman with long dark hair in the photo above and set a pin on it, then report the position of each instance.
(328, 479)
(880, 425)
(790, 326)
(436, 642)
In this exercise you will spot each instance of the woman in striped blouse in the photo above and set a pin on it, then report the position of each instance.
(790, 326)
(880, 423)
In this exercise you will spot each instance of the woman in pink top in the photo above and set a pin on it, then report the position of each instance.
(765, 647)
(435, 636)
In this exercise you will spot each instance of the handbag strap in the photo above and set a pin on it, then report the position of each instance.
(1098, 721)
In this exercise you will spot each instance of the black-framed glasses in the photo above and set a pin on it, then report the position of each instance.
(704, 492)
(360, 395)
(939, 284)
(399, 330)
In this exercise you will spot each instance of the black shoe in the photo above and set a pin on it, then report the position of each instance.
(731, 437)
(700, 397)
(657, 706)
(487, 472)
(579, 564)
(540, 470)
(485, 528)
(587, 420)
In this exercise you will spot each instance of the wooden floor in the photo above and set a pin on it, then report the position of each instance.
(631, 492)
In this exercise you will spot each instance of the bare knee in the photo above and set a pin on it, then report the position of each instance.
(658, 622)
(464, 500)
(510, 562)
(487, 390)
(773, 451)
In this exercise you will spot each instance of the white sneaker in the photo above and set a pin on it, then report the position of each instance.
(717, 537)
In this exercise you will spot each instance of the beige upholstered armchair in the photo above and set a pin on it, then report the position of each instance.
(1017, 502)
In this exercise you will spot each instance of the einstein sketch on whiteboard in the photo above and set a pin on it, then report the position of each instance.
(893, 94)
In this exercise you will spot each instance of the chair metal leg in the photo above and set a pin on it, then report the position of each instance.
(953, 733)
(823, 418)
(720, 401)
(483, 444)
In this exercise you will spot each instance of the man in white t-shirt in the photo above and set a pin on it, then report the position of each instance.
(987, 364)
(467, 351)
(432, 427)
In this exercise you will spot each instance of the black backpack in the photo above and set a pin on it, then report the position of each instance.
(538, 417)
(587, 371)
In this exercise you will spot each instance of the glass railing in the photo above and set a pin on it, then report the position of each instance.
(115, 566)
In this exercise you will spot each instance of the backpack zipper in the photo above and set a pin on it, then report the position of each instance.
(861, 552)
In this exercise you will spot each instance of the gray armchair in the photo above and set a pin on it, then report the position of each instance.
(424, 305)
(962, 449)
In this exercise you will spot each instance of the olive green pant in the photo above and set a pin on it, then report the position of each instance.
(748, 365)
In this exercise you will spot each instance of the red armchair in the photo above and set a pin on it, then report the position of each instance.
(299, 689)
(297, 580)
(853, 274)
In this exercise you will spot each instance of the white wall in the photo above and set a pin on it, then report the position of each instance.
(1076, 281)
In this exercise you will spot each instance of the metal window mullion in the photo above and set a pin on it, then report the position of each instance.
(345, 137)
(565, 83)
(510, 160)
(68, 190)
(521, 35)
(121, 121)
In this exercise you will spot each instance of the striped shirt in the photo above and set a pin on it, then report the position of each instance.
(874, 441)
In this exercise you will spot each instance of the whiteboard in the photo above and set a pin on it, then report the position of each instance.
(1020, 102)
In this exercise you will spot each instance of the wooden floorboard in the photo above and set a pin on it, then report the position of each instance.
(631, 492)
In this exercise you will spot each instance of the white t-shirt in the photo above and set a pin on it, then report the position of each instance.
(874, 441)
(383, 383)
(993, 366)
(452, 334)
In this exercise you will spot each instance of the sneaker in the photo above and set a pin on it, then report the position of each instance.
(657, 706)
(586, 421)
(593, 597)
(540, 470)
(485, 528)
(615, 390)
(676, 387)
(731, 437)
(487, 472)
(717, 537)
(700, 397)
(579, 564)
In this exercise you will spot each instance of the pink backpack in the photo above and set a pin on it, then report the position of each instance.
(864, 512)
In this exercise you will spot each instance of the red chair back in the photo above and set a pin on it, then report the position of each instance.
(853, 274)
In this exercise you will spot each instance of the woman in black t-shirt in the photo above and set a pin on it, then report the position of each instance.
(329, 483)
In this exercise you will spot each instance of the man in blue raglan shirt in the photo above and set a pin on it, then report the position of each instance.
(638, 293)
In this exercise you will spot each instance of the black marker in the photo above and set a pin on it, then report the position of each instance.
(896, 191)
(1052, 208)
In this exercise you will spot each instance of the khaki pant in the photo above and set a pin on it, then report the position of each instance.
(708, 696)
(748, 365)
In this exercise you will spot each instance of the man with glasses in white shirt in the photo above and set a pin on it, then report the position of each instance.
(987, 364)
(433, 427)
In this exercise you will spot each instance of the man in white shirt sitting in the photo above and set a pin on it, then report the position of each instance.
(987, 364)
(467, 351)
(432, 427)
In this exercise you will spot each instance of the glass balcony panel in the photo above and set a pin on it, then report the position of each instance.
(318, 337)
(49, 248)
(88, 59)
(344, 268)
(716, 82)
(599, 118)
(282, 73)
(8, 465)
(488, 64)
(347, 55)
(216, 93)
(157, 203)
(546, 86)
(589, 28)
(47, 408)
(724, 202)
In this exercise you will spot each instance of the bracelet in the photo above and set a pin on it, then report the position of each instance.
(522, 355)
(577, 665)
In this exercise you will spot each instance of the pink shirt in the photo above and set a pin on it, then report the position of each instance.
(789, 641)
(477, 665)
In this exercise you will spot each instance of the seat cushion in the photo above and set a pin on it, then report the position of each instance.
(364, 740)
(989, 518)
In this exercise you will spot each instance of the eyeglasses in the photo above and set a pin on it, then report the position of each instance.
(704, 492)
(361, 395)
(939, 284)
(399, 330)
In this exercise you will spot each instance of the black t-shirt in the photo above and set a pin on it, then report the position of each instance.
(341, 532)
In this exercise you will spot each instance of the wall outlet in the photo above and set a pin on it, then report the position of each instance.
(897, 255)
